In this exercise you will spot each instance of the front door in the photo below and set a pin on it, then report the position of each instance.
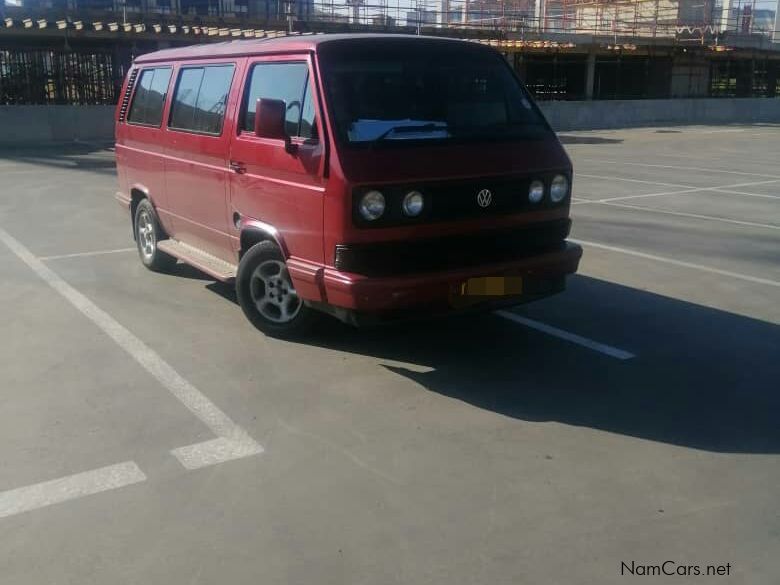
(268, 183)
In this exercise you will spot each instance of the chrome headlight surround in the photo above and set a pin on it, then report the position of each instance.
(413, 204)
(372, 205)
(536, 191)
(559, 188)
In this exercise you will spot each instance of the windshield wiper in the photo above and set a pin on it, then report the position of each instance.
(407, 128)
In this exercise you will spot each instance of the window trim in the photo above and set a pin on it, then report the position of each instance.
(243, 109)
(135, 93)
(181, 69)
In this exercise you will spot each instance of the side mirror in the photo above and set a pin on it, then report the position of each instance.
(270, 117)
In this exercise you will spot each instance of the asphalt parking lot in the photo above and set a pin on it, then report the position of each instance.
(150, 435)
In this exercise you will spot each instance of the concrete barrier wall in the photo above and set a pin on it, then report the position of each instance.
(45, 124)
(21, 125)
(606, 114)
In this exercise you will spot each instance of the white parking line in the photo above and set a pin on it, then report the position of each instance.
(681, 168)
(731, 192)
(83, 254)
(723, 190)
(611, 178)
(678, 155)
(71, 487)
(721, 131)
(580, 200)
(237, 439)
(614, 352)
(677, 262)
(719, 190)
(694, 215)
(642, 196)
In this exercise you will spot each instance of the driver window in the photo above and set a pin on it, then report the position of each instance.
(281, 81)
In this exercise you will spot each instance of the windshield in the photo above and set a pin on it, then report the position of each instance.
(423, 93)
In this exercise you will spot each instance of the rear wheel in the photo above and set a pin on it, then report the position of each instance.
(147, 233)
(267, 295)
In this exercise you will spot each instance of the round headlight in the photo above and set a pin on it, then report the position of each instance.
(559, 188)
(536, 192)
(413, 203)
(372, 205)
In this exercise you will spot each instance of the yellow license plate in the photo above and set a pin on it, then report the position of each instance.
(492, 286)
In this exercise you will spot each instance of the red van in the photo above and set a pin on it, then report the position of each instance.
(370, 177)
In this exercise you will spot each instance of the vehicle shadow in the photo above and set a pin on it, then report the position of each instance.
(570, 139)
(702, 378)
(182, 270)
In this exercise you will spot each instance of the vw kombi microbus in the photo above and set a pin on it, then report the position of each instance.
(370, 177)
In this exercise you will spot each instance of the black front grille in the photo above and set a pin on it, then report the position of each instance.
(390, 258)
(458, 199)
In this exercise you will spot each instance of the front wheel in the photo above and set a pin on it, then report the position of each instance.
(267, 296)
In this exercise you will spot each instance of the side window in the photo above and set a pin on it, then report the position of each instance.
(200, 98)
(287, 82)
(149, 98)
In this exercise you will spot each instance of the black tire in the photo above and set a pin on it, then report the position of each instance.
(258, 284)
(148, 232)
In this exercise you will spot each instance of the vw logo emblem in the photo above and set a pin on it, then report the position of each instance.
(484, 198)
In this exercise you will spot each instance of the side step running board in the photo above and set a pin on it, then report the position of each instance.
(203, 261)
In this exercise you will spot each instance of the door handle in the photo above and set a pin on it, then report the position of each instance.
(237, 167)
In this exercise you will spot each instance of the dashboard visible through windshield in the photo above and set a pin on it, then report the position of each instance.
(405, 93)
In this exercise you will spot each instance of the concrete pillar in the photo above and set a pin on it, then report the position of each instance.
(725, 13)
(776, 35)
(540, 11)
(444, 13)
(590, 76)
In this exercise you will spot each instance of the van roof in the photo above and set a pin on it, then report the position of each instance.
(285, 44)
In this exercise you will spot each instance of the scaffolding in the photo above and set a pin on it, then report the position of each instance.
(628, 18)
(77, 51)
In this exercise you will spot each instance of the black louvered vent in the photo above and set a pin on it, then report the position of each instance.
(128, 93)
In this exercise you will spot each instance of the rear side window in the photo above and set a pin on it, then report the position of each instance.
(147, 106)
(200, 99)
(282, 81)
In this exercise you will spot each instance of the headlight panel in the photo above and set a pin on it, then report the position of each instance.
(445, 200)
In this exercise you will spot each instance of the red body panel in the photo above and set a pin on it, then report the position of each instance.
(303, 199)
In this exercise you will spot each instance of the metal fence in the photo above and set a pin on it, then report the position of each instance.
(45, 76)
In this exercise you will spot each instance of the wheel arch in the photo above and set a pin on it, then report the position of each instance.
(137, 194)
(255, 231)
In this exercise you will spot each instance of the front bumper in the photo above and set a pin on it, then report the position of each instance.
(544, 274)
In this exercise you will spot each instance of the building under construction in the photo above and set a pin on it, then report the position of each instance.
(76, 51)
